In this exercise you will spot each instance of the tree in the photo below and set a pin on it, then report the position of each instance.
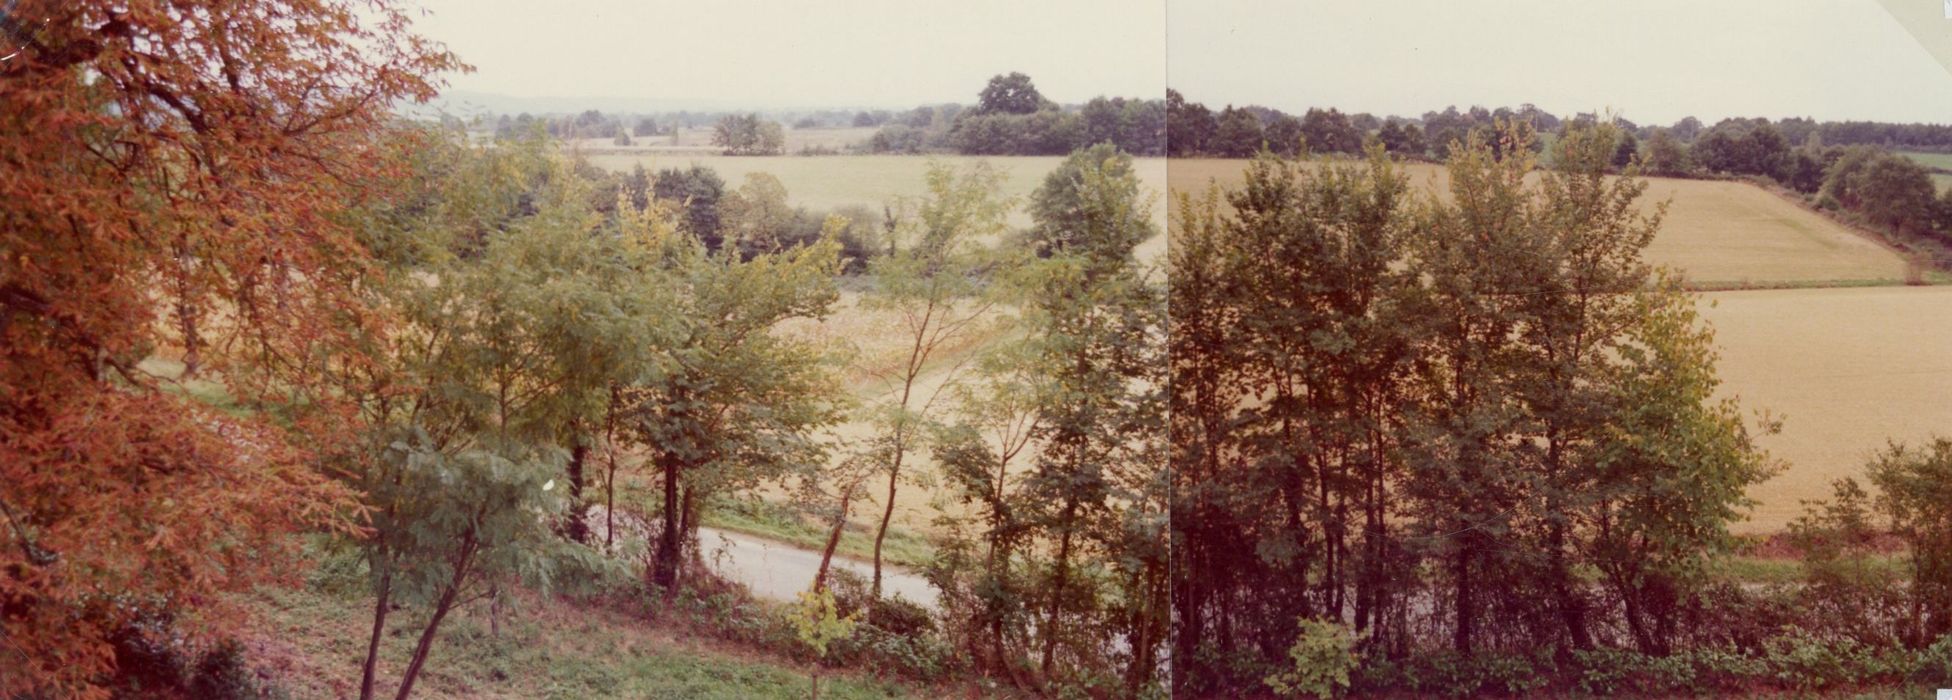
(1666, 155)
(730, 404)
(501, 371)
(1237, 134)
(1095, 324)
(1892, 190)
(747, 135)
(1189, 125)
(1284, 136)
(758, 218)
(1010, 94)
(929, 281)
(818, 625)
(646, 126)
(697, 191)
(146, 172)
(1329, 131)
(1089, 205)
(1627, 150)
(1913, 485)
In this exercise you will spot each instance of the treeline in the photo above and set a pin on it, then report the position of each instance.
(1471, 444)
(1839, 166)
(1012, 118)
(598, 124)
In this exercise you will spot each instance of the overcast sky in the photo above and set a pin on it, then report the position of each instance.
(788, 54)
(1652, 61)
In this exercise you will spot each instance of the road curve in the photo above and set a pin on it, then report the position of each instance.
(780, 571)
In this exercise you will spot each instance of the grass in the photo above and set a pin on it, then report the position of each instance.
(311, 643)
(1745, 568)
(1718, 233)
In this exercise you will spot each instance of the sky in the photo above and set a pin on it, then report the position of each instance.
(786, 54)
(1651, 61)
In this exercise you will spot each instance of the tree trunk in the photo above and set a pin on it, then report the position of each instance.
(384, 600)
(1057, 589)
(664, 566)
(446, 603)
(887, 515)
(833, 541)
(578, 528)
(1466, 607)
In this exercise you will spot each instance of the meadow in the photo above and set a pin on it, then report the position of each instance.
(1718, 234)
(1846, 367)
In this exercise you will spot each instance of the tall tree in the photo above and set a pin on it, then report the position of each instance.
(1010, 94)
(194, 157)
(929, 282)
(730, 402)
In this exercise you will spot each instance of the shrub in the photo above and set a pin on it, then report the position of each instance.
(1324, 656)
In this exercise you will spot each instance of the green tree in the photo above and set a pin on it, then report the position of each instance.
(728, 403)
(512, 340)
(1237, 134)
(1914, 485)
(747, 135)
(1010, 94)
(929, 281)
(1095, 323)
(1189, 126)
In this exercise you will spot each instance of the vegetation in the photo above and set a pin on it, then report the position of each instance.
(748, 135)
(1479, 415)
(152, 204)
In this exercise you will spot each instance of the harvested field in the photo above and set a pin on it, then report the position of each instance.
(1845, 369)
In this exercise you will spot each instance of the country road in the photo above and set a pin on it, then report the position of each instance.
(780, 571)
(775, 570)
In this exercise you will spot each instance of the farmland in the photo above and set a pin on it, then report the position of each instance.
(1845, 367)
(1845, 370)
(1719, 234)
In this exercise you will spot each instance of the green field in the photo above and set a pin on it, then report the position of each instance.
(1718, 234)
(826, 182)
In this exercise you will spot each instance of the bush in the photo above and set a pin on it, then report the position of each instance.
(222, 674)
(1324, 656)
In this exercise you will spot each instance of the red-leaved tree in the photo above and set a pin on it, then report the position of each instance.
(174, 177)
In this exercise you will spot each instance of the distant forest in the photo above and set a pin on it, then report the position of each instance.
(1010, 117)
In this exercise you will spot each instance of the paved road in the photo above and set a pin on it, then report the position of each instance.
(775, 570)
(780, 571)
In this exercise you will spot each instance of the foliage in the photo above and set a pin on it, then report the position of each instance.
(1324, 655)
(748, 135)
(150, 204)
(1010, 94)
(1479, 416)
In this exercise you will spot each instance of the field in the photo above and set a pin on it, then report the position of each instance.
(1845, 369)
(825, 182)
(1719, 234)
